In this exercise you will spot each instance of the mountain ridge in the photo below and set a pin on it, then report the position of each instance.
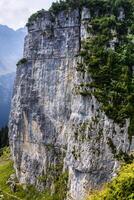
(11, 50)
(11, 42)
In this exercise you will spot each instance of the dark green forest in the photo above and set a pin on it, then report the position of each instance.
(4, 137)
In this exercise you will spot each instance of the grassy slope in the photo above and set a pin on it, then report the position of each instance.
(24, 192)
(6, 169)
(120, 188)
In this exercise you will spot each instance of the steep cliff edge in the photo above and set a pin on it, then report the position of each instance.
(59, 136)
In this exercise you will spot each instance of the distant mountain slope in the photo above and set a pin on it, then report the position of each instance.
(11, 50)
(6, 87)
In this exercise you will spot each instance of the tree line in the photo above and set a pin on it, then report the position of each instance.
(4, 137)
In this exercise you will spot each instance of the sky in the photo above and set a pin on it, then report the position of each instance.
(15, 13)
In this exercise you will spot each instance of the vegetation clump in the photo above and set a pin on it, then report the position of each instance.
(56, 177)
(120, 188)
(34, 17)
(119, 154)
(108, 56)
(22, 61)
(63, 5)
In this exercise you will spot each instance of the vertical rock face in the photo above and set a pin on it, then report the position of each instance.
(50, 123)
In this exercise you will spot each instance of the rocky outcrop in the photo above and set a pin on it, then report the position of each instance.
(52, 126)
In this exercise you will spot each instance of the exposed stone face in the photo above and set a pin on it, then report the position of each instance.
(50, 122)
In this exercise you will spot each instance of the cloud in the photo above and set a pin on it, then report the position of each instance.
(14, 13)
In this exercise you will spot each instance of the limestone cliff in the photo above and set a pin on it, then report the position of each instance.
(53, 128)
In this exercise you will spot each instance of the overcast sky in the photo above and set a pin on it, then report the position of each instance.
(14, 13)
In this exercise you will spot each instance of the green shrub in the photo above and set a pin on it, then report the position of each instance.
(120, 188)
(35, 16)
(22, 61)
(5, 152)
(72, 4)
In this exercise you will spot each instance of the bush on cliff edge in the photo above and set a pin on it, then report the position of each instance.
(120, 188)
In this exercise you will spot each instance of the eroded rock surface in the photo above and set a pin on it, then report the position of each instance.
(50, 123)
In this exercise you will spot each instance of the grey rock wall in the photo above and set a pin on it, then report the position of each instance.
(50, 122)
